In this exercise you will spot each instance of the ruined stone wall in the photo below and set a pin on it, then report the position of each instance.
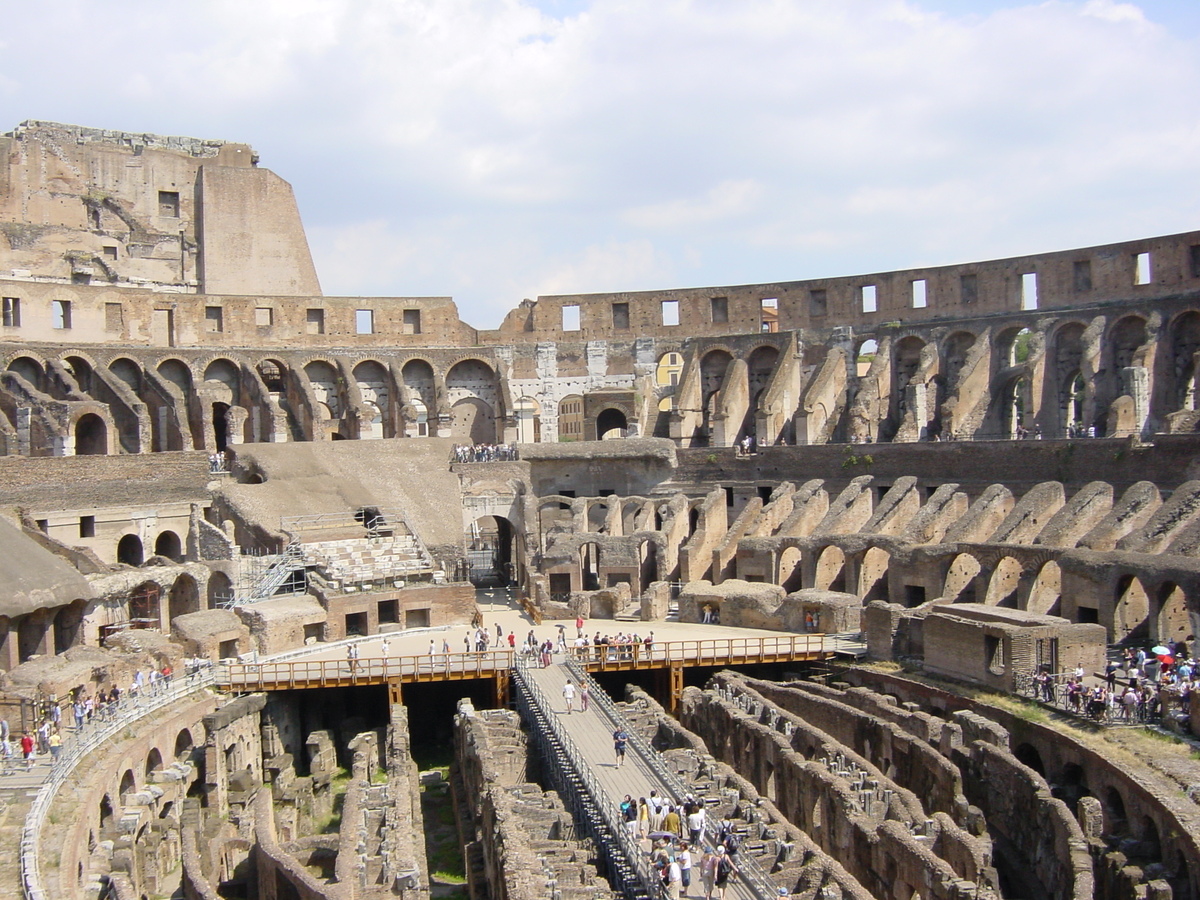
(522, 836)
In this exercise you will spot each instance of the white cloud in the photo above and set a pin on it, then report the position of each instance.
(493, 148)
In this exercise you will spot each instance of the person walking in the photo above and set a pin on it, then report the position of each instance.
(55, 744)
(569, 696)
(708, 873)
(725, 870)
(27, 750)
(585, 697)
(620, 739)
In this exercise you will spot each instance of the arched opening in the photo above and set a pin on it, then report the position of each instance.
(271, 372)
(183, 744)
(959, 586)
(473, 391)
(589, 566)
(375, 388)
(1174, 623)
(1185, 344)
(144, 603)
(167, 544)
(220, 420)
(1028, 755)
(1115, 822)
(1017, 404)
(128, 785)
(176, 372)
(1014, 347)
(220, 590)
(91, 436)
(184, 597)
(326, 388)
(106, 812)
(791, 575)
(489, 550)
(954, 356)
(713, 367)
(831, 570)
(29, 369)
(1044, 596)
(129, 372)
(872, 575)
(153, 762)
(611, 423)
(1131, 619)
(417, 376)
(1126, 337)
(867, 351)
(1004, 584)
(1151, 843)
(129, 550)
(647, 564)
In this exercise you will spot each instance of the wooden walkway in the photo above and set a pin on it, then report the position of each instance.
(396, 671)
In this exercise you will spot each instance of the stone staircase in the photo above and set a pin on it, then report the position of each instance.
(353, 561)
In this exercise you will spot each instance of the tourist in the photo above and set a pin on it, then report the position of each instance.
(27, 750)
(672, 822)
(568, 693)
(708, 872)
(620, 739)
(725, 869)
(695, 822)
(55, 745)
(673, 879)
(629, 814)
(685, 866)
(643, 818)
(585, 697)
(579, 626)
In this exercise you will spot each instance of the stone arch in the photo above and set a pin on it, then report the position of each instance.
(954, 356)
(29, 369)
(647, 564)
(273, 375)
(864, 355)
(1149, 838)
(81, 370)
(906, 360)
(668, 370)
(959, 586)
(184, 597)
(791, 574)
(1028, 755)
(1131, 613)
(589, 566)
(1004, 584)
(168, 544)
(1045, 595)
(220, 589)
(106, 812)
(831, 569)
(128, 784)
(130, 551)
(872, 575)
(144, 602)
(183, 744)
(154, 762)
(1125, 337)
(327, 390)
(611, 423)
(177, 372)
(374, 386)
(1012, 346)
(472, 378)
(220, 374)
(127, 371)
(1184, 344)
(489, 548)
(713, 366)
(1064, 371)
(91, 435)
(1171, 613)
(1116, 823)
(417, 377)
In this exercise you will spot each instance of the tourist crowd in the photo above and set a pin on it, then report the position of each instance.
(467, 453)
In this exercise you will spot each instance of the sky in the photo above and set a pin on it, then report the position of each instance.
(495, 150)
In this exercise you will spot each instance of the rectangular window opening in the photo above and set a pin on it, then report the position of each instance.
(867, 295)
(769, 307)
(1029, 290)
(570, 317)
(1141, 263)
(412, 321)
(818, 302)
(389, 612)
(114, 318)
(12, 312)
(60, 313)
(214, 319)
(110, 252)
(264, 316)
(1083, 275)
(620, 314)
(87, 526)
(919, 297)
(670, 312)
(729, 496)
(315, 320)
(364, 321)
(168, 204)
(970, 288)
(719, 309)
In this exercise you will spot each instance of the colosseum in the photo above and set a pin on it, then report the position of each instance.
(883, 586)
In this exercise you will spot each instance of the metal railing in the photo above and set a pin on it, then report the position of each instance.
(629, 871)
(256, 676)
(750, 871)
(35, 819)
(711, 651)
(1147, 711)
